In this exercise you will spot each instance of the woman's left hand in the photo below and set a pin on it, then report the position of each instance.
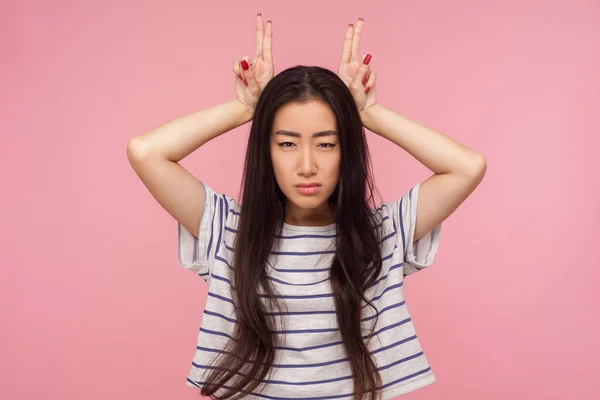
(357, 76)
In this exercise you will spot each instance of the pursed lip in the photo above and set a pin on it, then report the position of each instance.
(307, 185)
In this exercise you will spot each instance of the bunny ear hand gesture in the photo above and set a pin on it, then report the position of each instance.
(252, 75)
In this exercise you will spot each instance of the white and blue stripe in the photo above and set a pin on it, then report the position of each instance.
(310, 360)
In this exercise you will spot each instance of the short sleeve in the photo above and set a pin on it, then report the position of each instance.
(420, 254)
(198, 254)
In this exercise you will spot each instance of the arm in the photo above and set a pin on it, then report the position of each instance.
(154, 156)
(457, 169)
(176, 139)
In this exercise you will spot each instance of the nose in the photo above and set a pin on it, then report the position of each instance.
(307, 165)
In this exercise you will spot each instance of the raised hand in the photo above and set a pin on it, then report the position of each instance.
(357, 75)
(252, 75)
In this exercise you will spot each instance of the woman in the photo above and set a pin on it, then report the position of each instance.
(307, 270)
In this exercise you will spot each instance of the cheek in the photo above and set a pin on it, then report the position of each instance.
(333, 166)
(281, 168)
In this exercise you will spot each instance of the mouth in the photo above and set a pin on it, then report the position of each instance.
(308, 188)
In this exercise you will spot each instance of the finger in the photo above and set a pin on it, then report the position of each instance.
(240, 69)
(359, 77)
(250, 79)
(236, 69)
(347, 46)
(267, 52)
(356, 40)
(250, 64)
(371, 81)
(260, 31)
(366, 77)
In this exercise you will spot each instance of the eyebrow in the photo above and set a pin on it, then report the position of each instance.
(296, 134)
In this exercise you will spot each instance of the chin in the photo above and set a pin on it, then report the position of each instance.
(309, 202)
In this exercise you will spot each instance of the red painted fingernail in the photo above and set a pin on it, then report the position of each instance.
(245, 65)
(367, 59)
(367, 89)
(245, 82)
(364, 80)
(360, 19)
(351, 25)
(259, 14)
(239, 76)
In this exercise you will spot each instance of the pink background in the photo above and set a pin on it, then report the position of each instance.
(94, 303)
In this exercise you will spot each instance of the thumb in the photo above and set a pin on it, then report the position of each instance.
(249, 78)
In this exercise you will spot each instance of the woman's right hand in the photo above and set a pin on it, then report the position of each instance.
(252, 75)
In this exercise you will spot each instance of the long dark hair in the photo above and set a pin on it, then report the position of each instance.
(249, 356)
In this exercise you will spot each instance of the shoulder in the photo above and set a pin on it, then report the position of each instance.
(383, 217)
(221, 206)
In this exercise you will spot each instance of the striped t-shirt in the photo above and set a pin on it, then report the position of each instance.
(312, 364)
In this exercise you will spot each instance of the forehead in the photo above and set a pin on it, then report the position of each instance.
(305, 118)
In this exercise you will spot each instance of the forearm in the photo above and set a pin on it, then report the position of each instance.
(177, 138)
(436, 151)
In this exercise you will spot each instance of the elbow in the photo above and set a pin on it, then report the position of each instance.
(473, 168)
(477, 167)
(133, 149)
(137, 149)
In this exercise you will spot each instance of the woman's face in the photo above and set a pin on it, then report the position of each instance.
(305, 149)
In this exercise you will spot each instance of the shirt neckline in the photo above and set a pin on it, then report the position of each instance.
(304, 228)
